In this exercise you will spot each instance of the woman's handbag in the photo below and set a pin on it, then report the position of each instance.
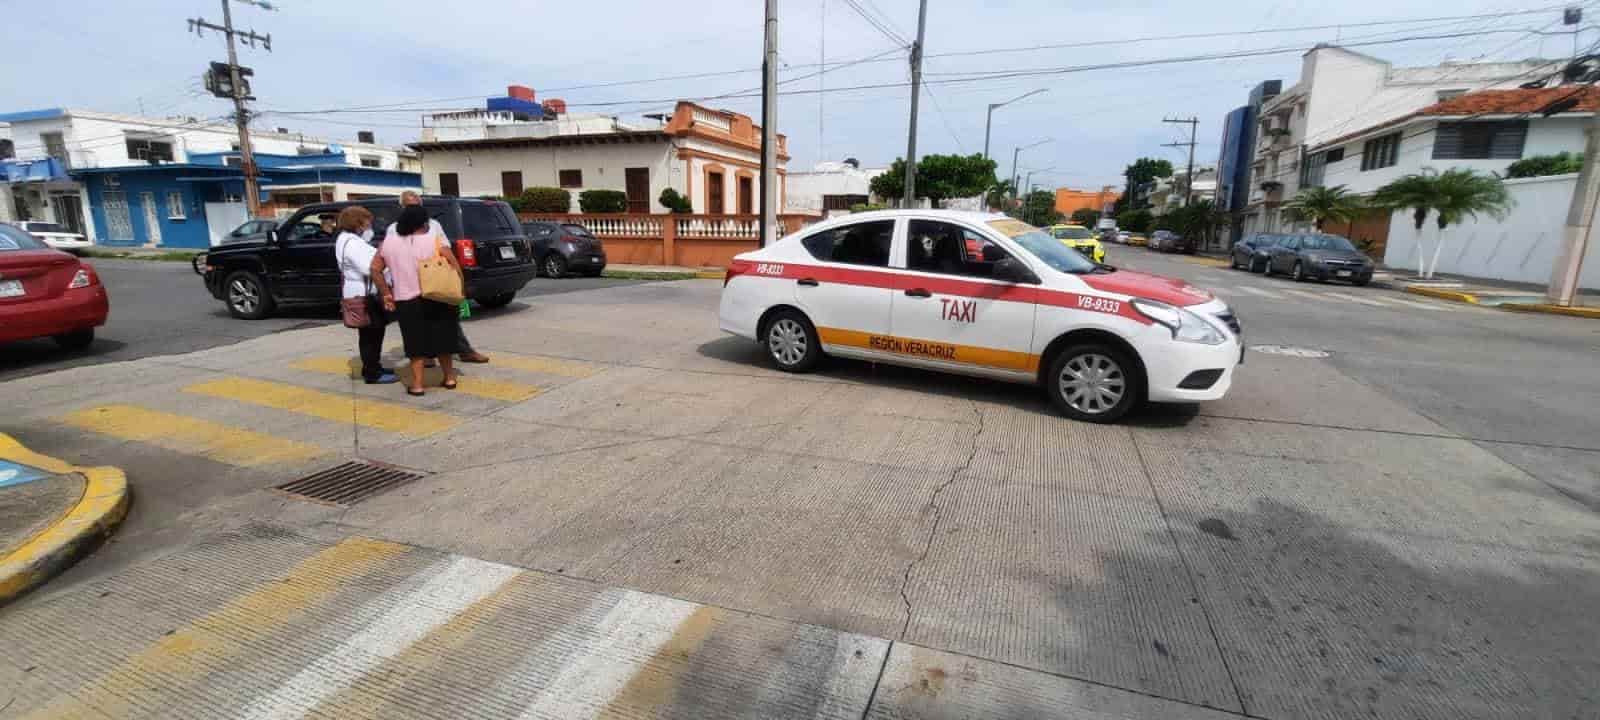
(438, 279)
(355, 312)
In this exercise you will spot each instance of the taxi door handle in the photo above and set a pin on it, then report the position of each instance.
(808, 282)
(919, 293)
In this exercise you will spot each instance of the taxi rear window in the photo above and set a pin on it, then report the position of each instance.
(865, 243)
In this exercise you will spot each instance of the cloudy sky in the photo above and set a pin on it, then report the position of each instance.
(414, 55)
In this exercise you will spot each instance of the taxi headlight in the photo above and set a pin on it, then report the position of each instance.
(1185, 325)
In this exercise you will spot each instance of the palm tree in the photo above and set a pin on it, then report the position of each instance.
(1456, 194)
(1320, 205)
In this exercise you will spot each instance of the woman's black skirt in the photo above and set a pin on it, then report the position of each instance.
(429, 328)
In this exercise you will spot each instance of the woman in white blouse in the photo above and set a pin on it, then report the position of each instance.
(354, 250)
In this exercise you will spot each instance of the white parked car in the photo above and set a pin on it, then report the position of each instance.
(985, 295)
(54, 235)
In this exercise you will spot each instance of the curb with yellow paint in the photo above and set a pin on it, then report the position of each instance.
(1572, 311)
(98, 511)
(1443, 293)
(1203, 260)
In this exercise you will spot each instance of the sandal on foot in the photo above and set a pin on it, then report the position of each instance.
(448, 385)
(415, 393)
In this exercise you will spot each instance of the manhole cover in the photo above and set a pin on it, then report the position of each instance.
(349, 483)
(1290, 351)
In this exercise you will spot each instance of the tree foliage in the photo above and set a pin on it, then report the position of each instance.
(1087, 217)
(674, 201)
(1321, 205)
(1453, 195)
(999, 196)
(542, 200)
(1198, 220)
(603, 201)
(1039, 208)
(1140, 172)
(1539, 165)
(1135, 221)
(939, 178)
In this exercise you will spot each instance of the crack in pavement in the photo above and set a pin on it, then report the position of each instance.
(933, 532)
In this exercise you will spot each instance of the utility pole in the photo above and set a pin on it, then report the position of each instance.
(239, 93)
(1194, 125)
(769, 136)
(1568, 270)
(916, 89)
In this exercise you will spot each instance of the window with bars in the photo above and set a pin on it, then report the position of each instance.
(142, 149)
(175, 206)
(1380, 152)
(570, 178)
(1498, 140)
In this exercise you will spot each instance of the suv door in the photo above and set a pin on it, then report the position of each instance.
(301, 265)
(947, 298)
(846, 293)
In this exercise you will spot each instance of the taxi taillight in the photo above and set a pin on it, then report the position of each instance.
(735, 269)
(467, 252)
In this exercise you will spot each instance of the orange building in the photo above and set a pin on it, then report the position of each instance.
(1069, 200)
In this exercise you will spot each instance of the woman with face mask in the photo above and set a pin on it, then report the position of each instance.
(354, 250)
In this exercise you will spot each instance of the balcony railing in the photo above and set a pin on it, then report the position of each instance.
(691, 240)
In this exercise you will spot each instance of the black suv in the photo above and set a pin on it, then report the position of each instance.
(563, 247)
(294, 264)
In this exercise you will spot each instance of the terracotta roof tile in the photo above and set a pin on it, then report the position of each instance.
(1488, 102)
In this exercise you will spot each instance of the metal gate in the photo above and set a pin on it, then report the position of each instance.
(119, 223)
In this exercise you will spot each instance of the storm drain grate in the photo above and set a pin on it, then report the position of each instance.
(349, 483)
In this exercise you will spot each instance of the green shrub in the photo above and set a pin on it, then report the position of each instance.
(603, 201)
(1538, 165)
(675, 202)
(542, 200)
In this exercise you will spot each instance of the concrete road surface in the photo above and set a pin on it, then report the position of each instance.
(629, 514)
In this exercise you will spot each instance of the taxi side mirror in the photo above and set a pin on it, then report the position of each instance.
(1011, 270)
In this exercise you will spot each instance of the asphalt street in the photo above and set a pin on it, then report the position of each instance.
(162, 308)
(630, 514)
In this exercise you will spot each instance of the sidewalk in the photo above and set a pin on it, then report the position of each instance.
(662, 272)
(51, 513)
(1513, 297)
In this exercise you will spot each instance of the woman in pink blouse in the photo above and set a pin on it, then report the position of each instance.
(429, 329)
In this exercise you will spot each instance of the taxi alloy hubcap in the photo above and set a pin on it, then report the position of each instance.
(787, 341)
(1092, 383)
(243, 295)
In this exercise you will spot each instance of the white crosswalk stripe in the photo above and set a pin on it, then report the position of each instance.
(1359, 300)
(1258, 292)
(1303, 293)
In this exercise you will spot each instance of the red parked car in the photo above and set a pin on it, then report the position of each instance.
(47, 293)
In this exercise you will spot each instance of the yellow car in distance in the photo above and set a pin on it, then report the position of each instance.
(1081, 239)
(1137, 239)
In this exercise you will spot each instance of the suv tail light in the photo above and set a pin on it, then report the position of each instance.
(735, 269)
(467, 253)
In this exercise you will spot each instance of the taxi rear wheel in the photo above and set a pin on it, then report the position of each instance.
(1092, 382)
(792, 342)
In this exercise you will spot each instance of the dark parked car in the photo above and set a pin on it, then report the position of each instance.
(294, 264)
(1252, 251)
(1320, 257)
(251, 230)
(1169, 241)
(560, 248)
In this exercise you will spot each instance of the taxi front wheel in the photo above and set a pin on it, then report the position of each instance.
(792, 342)
(1093, 383)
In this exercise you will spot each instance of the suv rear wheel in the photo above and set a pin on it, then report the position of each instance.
(247, 296)
(1092, 382)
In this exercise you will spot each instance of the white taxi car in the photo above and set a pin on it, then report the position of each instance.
(986, 295)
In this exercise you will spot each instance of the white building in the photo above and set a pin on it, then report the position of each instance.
(1485, 131)
(830, 187)
(50, 144)
(1169, 193)
(710, 156)
(1341, 91)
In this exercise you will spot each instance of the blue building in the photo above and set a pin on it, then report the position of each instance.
(194, 204)
(1238, 152)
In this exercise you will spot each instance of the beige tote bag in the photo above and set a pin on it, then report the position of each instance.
(438, 279)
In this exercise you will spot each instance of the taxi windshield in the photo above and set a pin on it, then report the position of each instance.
(1041, 245)
(1071, 233)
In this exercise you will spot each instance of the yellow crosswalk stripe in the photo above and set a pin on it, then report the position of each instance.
(217, 640)
(547, 365)
(376, 414)
(470, 384)
(223, 443)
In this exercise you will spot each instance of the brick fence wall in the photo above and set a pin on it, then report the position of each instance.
(688, 240)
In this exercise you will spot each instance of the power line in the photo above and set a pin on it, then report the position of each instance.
(876, 24)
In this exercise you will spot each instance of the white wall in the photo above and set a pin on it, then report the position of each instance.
(1523, 248)
(99, 140)
(806, 189)
(602, 166)
(1546, 136)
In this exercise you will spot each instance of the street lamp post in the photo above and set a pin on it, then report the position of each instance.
(1028, 183)
(990, 119)
(1014, 177)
